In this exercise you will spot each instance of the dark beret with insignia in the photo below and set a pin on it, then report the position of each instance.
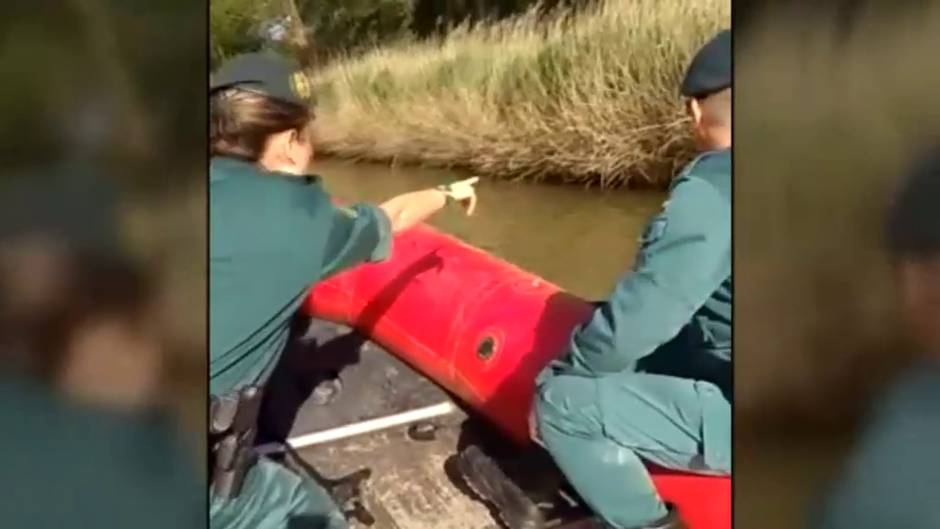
(710, 69)
(914, 218)
(267, 73)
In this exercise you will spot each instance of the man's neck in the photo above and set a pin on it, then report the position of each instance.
(716, 139)
(719, 145)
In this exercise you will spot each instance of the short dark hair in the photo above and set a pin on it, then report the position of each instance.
(913, 228)
(242, 120)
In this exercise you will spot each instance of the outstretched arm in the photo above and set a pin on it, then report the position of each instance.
(410, 209)
(363, 233)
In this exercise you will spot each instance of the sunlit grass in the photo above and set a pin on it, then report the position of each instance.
(588, 98)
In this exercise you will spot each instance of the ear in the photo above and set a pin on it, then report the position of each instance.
(695, 110)
(291, 140)
(292, 137)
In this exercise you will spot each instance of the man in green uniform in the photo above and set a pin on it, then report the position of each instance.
(648, 377)
(274, 232)
(893, 477)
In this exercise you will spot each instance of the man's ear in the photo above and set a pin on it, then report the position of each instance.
(695, 110)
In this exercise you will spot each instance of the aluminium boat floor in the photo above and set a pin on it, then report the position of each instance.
(414, 483)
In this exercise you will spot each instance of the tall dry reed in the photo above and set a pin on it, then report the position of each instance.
(590, 97)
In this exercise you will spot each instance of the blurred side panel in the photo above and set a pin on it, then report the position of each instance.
(103, 263)
(833, 106)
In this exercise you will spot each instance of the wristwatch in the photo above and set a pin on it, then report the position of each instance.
(448, 194)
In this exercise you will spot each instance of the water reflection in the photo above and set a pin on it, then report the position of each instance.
(580, 239)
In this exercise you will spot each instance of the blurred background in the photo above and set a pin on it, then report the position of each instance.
(832, 106)
(102, 263)
(102, 241)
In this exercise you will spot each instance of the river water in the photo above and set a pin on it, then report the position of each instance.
(580, 239)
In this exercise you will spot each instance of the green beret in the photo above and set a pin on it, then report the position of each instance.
(270, 74)
(710, 69)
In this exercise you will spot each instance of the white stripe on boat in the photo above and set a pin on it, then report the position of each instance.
(372, 425)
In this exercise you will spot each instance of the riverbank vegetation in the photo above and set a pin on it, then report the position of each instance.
(330, 28)
(589, 97)
(580, 91)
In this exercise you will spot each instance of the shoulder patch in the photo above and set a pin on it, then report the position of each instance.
(654, 230)
(300, 85)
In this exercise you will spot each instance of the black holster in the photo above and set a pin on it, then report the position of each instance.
(233, 420)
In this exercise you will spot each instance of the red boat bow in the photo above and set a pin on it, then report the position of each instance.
(483, 329)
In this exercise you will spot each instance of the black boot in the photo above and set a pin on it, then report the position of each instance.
(670, 521)
(493, 486)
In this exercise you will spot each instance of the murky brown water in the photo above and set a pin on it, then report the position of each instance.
(579, 239)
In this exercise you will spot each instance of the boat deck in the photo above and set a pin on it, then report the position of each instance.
(413, 485)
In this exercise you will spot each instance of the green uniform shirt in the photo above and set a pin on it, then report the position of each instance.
(272, 236)
(681, 282)
(893, 476)
(67, 465)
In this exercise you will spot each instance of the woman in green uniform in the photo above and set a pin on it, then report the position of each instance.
(274, 233)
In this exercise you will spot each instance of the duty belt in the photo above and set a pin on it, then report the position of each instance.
(233, 420)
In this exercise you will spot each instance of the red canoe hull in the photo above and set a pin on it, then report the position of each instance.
(483, 329)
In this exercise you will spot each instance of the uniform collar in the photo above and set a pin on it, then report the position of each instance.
(221, 167)
(724, 151)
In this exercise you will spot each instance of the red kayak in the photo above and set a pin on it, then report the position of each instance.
(483, 329)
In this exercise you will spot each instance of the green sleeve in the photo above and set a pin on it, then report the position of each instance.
(684, 256)
(358, 234)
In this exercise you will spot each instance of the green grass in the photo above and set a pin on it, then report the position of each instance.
(590, 98)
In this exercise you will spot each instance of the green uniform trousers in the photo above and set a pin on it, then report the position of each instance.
(600, 430)
(274, 497)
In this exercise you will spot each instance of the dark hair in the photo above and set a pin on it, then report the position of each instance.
(913, 229)
(240, 122)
